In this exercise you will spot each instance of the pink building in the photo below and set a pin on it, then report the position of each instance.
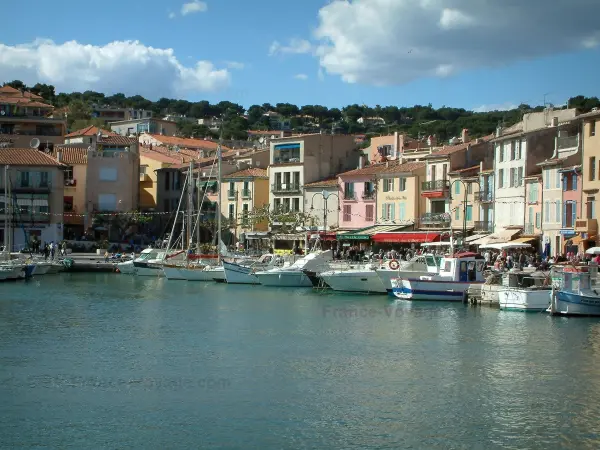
(358, 206)
(572, 208)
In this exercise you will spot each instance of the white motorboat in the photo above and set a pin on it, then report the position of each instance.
(523, 291)
(415, 267)
(245, 272)
(362, 279)
(293, 275)
(147, 254)
(457, 273)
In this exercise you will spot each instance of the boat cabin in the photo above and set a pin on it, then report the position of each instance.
(524, 280)
(463, 267)
(427, 262)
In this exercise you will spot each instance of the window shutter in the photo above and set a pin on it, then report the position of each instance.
(574, 181)
(393, 212)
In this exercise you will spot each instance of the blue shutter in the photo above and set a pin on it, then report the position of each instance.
(564, 214)
(573, 213)
(565, 183)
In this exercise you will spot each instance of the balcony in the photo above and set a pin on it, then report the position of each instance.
(231, 194)
(589, 226)
(70, 183)
(368, 195)
(567, 142)
(350, 196)
(283, 188)
(437, 220)
(436, 185)
(485, 197)
(246, 193)
(32, 186)
(483, 226)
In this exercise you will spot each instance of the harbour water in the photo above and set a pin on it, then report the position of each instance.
(113, 361)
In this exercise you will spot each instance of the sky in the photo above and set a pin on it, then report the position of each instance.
(474, 54)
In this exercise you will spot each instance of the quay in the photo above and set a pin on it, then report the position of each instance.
(86, 262)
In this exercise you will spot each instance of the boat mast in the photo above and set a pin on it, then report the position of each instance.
(219, 158)
(5, 212)
(198, 204)
(190, 204)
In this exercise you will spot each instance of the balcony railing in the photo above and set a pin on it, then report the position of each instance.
(349, 196)
(437, 185)
(70, 183)
(31, 186)
(246, 193)
(441, 219)
(483, 226)
(589, 226)
(368, 195)
(484, 197)
(231, 194)
(284, 188)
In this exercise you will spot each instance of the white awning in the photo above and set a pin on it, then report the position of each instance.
(476, 237)
(499, 237)
(24, 201)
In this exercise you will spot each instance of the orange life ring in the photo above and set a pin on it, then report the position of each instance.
(394, 264)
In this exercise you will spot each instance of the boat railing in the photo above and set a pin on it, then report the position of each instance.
(575, 277)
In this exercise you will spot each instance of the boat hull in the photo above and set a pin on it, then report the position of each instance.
(387, 275)
(572, 304)
(126, 267)
(284, 279)
(524, 300)
(217, 274)
(431, 290)
(237, 274)
(142, 269)
(173, 273)
(364, 281)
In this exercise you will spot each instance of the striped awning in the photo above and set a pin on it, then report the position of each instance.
(366, 233)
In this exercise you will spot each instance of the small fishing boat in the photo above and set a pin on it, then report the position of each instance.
(524, 291)
(457, 273)
(418, 265)
(575, 291)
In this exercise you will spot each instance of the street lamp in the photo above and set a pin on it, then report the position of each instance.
(326, 195)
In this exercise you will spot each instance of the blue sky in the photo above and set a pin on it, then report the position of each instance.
(383, 52)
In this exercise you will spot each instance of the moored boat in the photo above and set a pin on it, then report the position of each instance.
(293, 275)
(575, 291)
(524, 291)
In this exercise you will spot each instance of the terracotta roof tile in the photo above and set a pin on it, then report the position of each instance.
(70, 154)
(448, 150)
(465, 170)
(26, 157)
(330, 182)
(384, 169)
(117, 140)
(196, 144)
(90, 131)
(253, 172)
(264, 133)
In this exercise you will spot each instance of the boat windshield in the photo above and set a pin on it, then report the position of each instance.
(146, 256)
(433, 261)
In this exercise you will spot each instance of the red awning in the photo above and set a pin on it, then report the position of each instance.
(410, 237)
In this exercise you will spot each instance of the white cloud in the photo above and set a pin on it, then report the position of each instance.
(295, 46)
(497, 107)
(235, 65)
(301, 76)
(120, 66)
(321, 74)
(193, 7)
(395, 41)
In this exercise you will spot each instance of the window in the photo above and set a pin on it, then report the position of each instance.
(369, 213)
(457, 187)
(107, 202)
(232, 186)
(347, 213)
(296, 204)
(557, 179)
(277, 205)
(546, 212)
(469, 188)
(557, 216)
(68, 173)
(574, 182)
(469, 212)
(517, 149)
(500, 178)
(44, 179)
(533, 193)
(24, 179)
(368, 189)
(512, 151)
(546, 178)
(246, 186)
(167, 181)
(349, 191)
(388, 211)
(592, 171)
(401, 211)
(513, 177)
(520, 176)
(296, 180)
(108, 174)
(388, 185)
(593, 128)
(286, 205)
(402, 184)
(231, 214)
(143, 170)
(538, 220)
(500, 151)
(444, 172)
(278, 180)
(457, 213)
(591, 208)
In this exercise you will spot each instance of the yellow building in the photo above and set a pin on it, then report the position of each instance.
(591, 176)
(398, 193)
(240, 194)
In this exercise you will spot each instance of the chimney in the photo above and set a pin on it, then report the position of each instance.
(59, 156)
(555, 121)
(360, 162)
(465, 135)
(498, 131)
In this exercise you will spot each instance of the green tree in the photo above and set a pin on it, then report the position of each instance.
(17, 84)
(78, 110)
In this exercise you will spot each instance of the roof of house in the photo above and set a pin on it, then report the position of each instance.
(187, 142)
(26, 157)
(70, 154)
(90, 131)
(117, 140)
(450, 149)
(329, 182)
(253, 172)
(385, 168)
(11, 91)
(465, 171)
(264, 133)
